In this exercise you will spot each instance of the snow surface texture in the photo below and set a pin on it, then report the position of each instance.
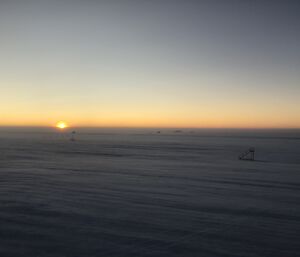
(149, 194)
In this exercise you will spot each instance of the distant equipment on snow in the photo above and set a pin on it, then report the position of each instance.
(248, 155)
(73, 135)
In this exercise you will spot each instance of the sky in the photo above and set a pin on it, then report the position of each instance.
(138, 63)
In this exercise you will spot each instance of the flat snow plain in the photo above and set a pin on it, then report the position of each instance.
(140, 193)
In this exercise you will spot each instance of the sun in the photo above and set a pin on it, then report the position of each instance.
(61, 125)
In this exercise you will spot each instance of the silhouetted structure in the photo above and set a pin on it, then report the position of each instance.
(248, 155)
(73, 135)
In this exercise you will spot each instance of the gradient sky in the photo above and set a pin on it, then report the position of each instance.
(226, 63)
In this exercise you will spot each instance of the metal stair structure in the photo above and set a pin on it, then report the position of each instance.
(248, 155)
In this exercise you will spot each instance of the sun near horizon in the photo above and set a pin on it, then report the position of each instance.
(61, 125)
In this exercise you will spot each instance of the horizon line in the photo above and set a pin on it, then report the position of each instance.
(146, 127)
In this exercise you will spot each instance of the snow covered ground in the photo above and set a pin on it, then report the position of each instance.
(143, 193)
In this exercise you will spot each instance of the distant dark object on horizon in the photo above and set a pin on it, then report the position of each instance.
(73, 135)
(178, 131)
(248, 155)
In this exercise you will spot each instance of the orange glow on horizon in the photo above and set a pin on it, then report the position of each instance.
(147, 119)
